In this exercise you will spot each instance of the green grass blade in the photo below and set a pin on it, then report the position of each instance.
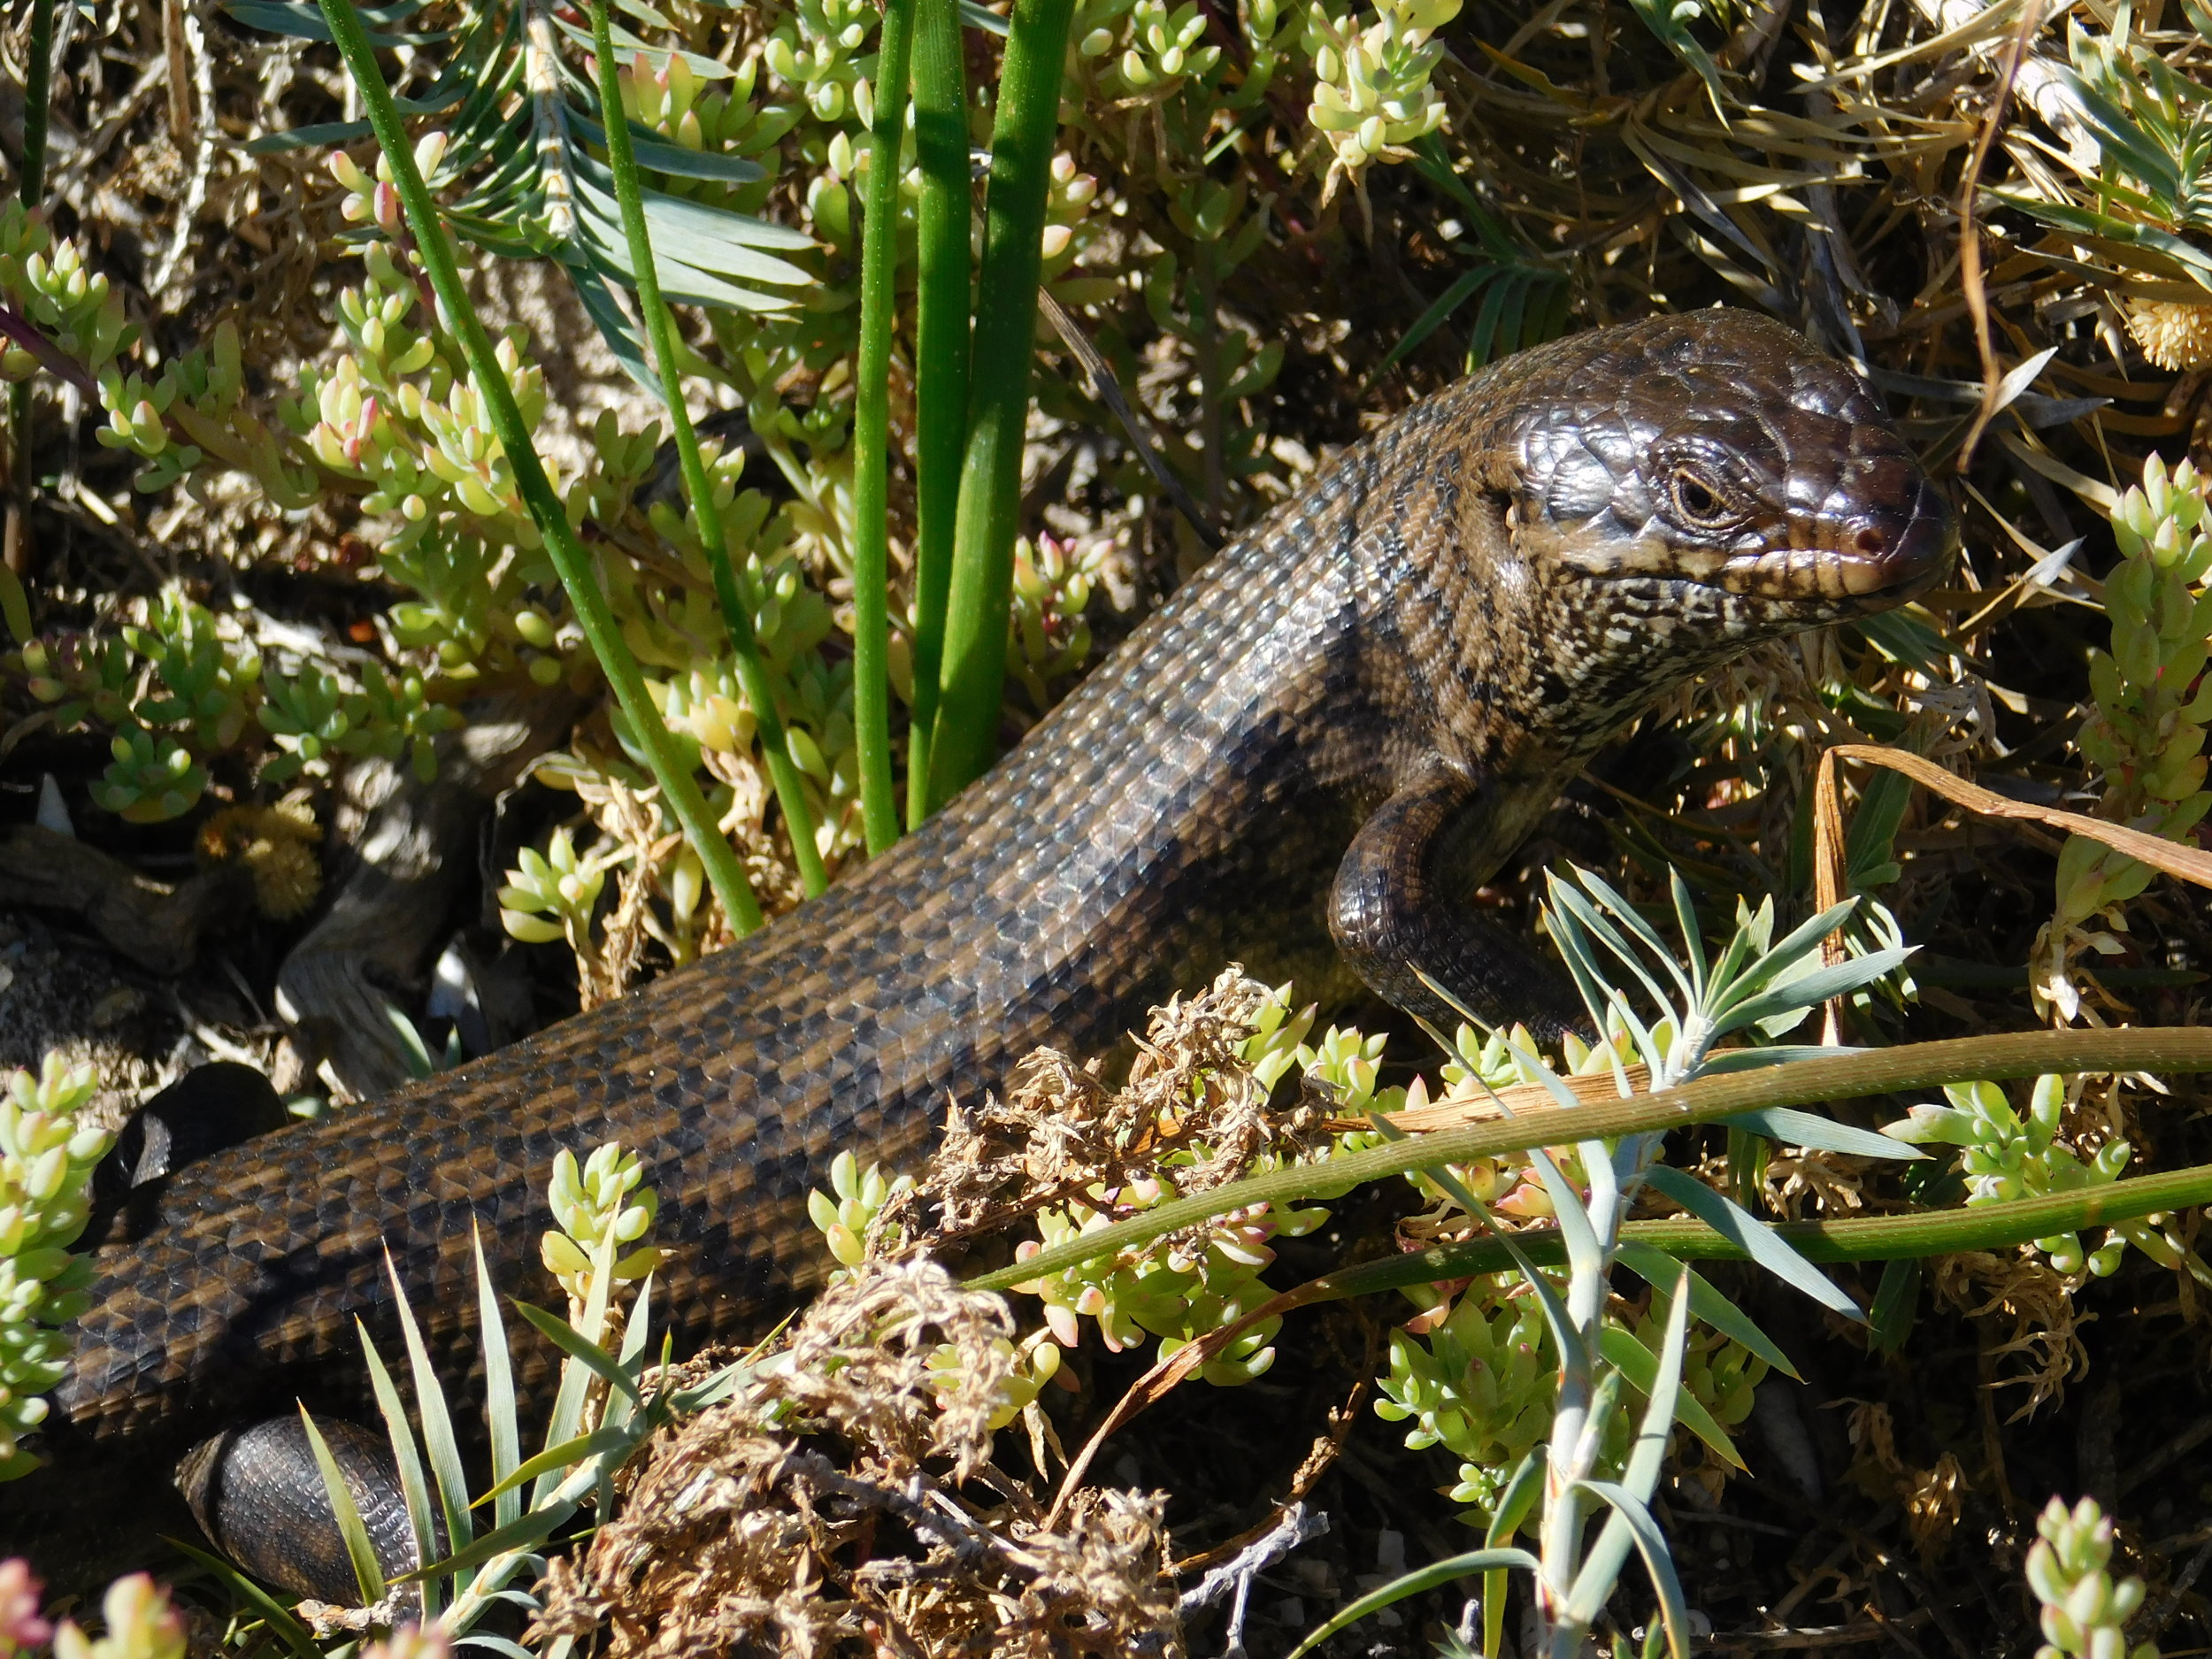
(525, 1532)
(576, 1376)
(1659, 1270)
(556, 1459)
(1513, 315)
(1910, 1237)
(501, 1418)
(660, 330)
(1414, 1583)
(1514, 1506)
(1641, 1367)
(1633, 1521)
(594, 617)
(1758, 1240)
(585, 1352)
(972, 685)
(1436, 316)
(1773, 1054)
(636, 1330)
(1822, 1135)
(1483, 340)
(1809, 990)
(942, 218)
(1584, 1252)
(1736, 988)
(1896, 1299)
(367, 1573)
(414, 1484)
(1602, 922)
(1664, 1398)
(871, 433)
(437, 1421)
(2156, 1049)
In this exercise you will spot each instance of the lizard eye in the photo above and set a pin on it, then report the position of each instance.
(1699, 501)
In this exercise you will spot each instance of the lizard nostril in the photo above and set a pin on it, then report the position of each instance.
(1871, 542)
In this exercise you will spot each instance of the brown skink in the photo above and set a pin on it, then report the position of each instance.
(1305, 762)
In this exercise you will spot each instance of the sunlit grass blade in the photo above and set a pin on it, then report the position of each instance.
(1910, 1236)
(1581, 960)
(1659, 1270)
(1421, 1579)
(872, 431)
(554, 1459)
(437, 1423)
(1822, 1135)
(414, 1484)
(1758, 1240)
(973, 681)
(526, 1531)
(586, 1353)
(1605, 917)
(1515, 1505)
(1739, 987)
(1584, 1255)
(574, 1393)
(1631, 1521)
(594, 617)
(729, 589)
(942, 218)
(502, 1420)
(1663, 1396)
(1809, 990)
(1693, 936)
(367, 1573)
(1640, 1367)
(636, 1330)
(2152, 1049)
(1633, 1518)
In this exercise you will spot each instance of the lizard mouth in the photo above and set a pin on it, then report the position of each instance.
(1874, 558)
(1869, 561)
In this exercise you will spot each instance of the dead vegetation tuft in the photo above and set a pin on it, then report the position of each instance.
(846, 1502)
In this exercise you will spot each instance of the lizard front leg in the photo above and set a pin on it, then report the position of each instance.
(1398, 910)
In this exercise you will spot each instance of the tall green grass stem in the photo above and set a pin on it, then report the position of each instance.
(1883, 1071)
(660, 330)
(871, 433)
(972, 683)
(38, 87)
(942, 221)
(38, 91)
(1853, 1239)
(723, 873)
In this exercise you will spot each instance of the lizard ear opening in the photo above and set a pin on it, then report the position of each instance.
(1490, 512)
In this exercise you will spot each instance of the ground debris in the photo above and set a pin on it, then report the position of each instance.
(845, 1503)
(1061, 1132)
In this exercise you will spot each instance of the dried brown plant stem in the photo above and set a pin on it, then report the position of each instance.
(1970, 283)
(2188, 862)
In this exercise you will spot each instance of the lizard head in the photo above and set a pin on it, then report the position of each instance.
(1681, 487)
